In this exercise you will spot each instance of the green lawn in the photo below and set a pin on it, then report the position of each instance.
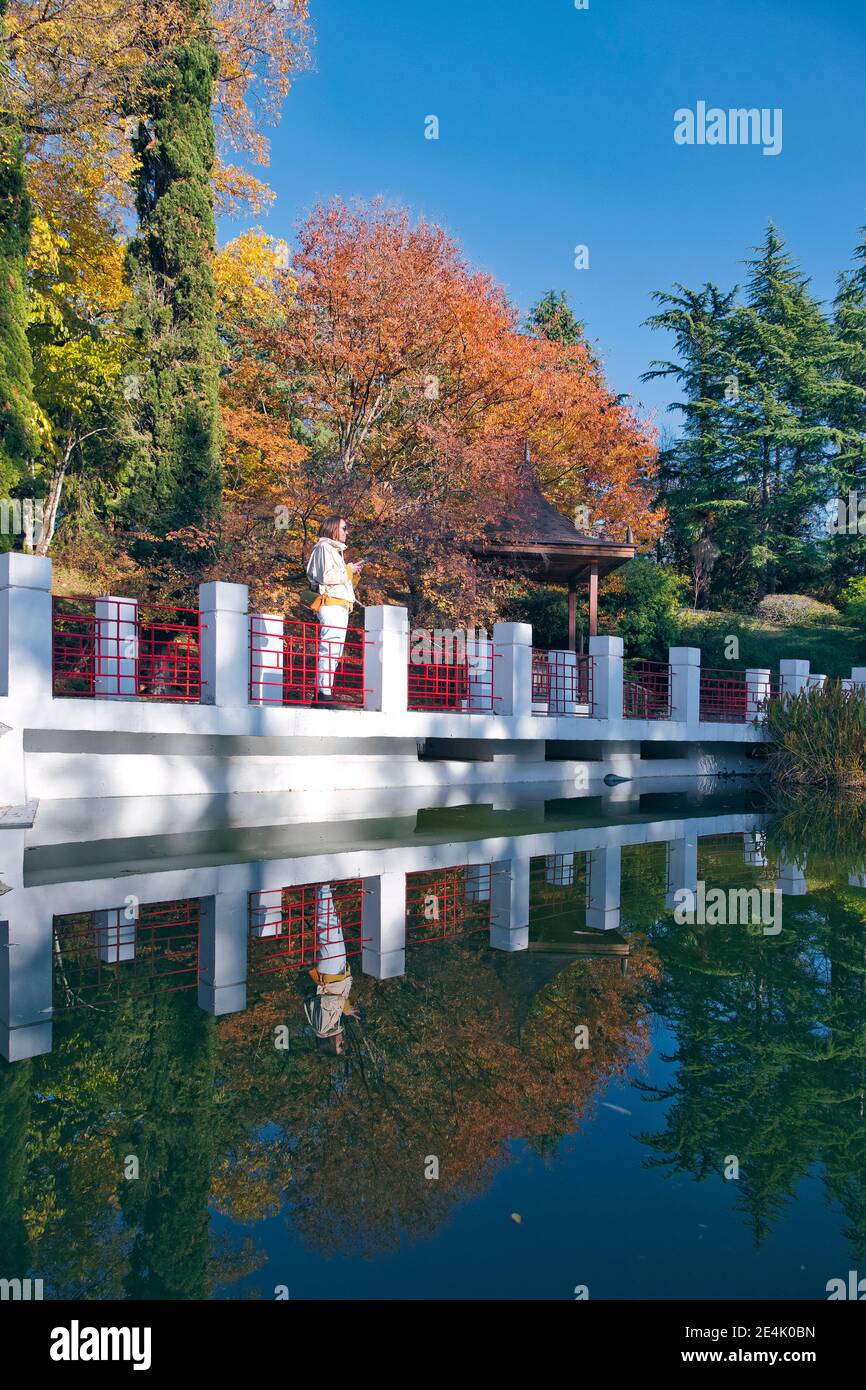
(832, 646)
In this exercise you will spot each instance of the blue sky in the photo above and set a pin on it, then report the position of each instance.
(556, 129)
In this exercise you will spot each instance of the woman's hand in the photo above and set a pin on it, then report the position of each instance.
(358, 565)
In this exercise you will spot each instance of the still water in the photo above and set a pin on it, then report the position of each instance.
(635, 1106)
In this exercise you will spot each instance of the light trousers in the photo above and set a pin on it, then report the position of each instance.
(330, 943)
(333, 621)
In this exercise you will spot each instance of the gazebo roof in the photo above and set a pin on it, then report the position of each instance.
(536, 539)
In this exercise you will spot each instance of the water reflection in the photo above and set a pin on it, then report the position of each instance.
(210, 1073)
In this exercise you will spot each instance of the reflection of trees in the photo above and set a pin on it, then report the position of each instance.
(770, 1055)
(15, 1084)
(453, 1061)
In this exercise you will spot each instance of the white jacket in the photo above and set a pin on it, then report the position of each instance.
(328, 572)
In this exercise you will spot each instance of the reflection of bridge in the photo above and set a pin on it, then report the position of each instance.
(229, 892)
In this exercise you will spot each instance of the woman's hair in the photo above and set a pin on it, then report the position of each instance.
(330, 528)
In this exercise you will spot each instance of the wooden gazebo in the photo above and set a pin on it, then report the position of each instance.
(536, 540)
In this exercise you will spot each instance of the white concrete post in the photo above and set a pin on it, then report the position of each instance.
(685, 663)
(266, 914)
(757, 693)
(858, 675)
(559, 870)
(509, 904)
(607, 656)
(817, 682)
(793, 676)
(682, 870)
(267, 658)
(791, 880)
(25, 629)
(383, 925)
(755, 849)
(386, 659)
(26, 981)
(117, 648)
(512, 668)
(116, 929)
(603, 886)
(225, 644)
(222, 973)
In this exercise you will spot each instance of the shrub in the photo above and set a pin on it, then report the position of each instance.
(853, 599)
(819, 737)
(789, 610)
(641, 604)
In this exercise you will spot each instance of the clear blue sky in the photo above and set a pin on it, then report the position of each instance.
(556, 128)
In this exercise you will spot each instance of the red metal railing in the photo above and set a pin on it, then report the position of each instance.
(459, 676)
(444, 903)
(727, 698)
(646, 690)
(562, 683)
(317, 924)
(115, 954)
(119, 647)
(297, 663)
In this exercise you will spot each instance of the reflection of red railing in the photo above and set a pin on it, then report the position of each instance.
(119, 647)
(314, 924)
(562, 683)
(116, 954)
(459, 678)
(298, 663)
(646, 690)
(443, 903)
(727, 698)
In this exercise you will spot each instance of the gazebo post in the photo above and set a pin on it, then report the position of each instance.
(572, 614)
(593, 598)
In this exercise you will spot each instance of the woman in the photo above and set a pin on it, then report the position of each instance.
(326, 1009)
(334, 581)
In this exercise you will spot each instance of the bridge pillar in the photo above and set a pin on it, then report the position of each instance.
(222, 973)
(383, 919)
(225, 644)
(607, 659)
(512, 668)
(604, 880)
(26, 980)
(682, 870)
(685, 664)
(386, 659)
(509, 904)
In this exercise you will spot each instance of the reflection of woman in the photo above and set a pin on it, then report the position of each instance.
(334, 581)
(326, 1009)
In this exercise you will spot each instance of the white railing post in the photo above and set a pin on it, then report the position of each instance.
(682, 869)
(793, 676)
(117, 648)
(685, 664)
(858, 676)
(116, 929)
(225, 644)
(386, 659)
(383, 925)
(603, 888)
(25, 629)
(509, 904)
(222, 976)
(512, 668)
(757, 693)
(26, 981)
(562, 682)
(606, 654)
(267, 658)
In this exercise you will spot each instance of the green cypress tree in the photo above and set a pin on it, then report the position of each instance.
(19, 439)
(848, 551)
(174, 449)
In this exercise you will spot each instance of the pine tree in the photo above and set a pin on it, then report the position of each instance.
(552, 317)
(848, 550)
(175, 447)
(19, 439)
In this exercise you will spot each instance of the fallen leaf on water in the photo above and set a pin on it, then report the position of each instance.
(515, 1216)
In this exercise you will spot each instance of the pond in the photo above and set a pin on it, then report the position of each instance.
(650, 1101)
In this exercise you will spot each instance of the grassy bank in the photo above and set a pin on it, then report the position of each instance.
(832, 645)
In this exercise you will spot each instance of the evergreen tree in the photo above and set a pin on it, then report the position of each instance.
(18, 432)
(848, 550)
(175, 445)
(552, 317)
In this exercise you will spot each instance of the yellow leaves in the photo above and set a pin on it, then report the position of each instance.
(252, 278)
